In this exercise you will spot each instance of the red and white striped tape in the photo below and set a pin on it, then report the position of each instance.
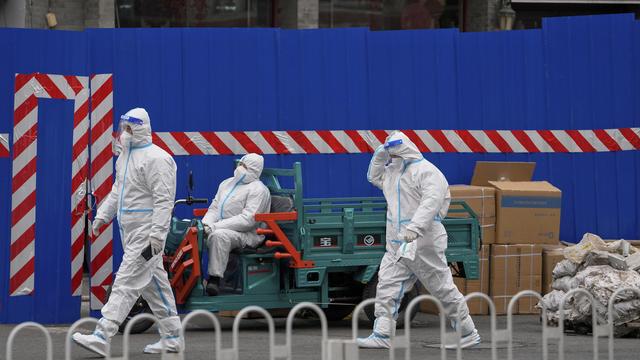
(28, 88)
(101, 182)
(428, 141)
(4, 145)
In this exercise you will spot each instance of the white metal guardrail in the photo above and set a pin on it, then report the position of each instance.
(285, 350)
(559, 331)
(404, 341)
(347, 348)
(216, 328)
(17, 329)
(127, 334)
(609, 332)
(68, 349)
(507, 334)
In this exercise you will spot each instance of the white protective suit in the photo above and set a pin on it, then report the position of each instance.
(418, 197)
(231, 215)
(142, 198)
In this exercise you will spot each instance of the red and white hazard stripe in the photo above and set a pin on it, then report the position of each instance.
(79, 170)
(101, 182)
(428, 141)
(28, 88)
(4, 145)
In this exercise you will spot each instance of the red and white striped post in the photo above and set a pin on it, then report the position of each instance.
(101, 182)
(28, 88)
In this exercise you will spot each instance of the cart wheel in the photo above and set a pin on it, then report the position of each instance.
(370, 292)
(338, 312)
(139, 307)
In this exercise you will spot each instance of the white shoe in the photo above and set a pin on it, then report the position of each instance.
(173, 345)
(374, 341)
(465, 342)
(92, 343)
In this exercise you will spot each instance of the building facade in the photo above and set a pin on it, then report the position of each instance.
(466, 15)
(63, 14)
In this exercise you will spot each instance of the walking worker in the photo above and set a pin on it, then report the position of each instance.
(418, 198)
(142, 198)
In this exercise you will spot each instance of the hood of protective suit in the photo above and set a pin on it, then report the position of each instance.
(398, 144)
(254, 164)
(141, 134)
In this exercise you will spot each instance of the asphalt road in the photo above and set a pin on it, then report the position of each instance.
(254, 340)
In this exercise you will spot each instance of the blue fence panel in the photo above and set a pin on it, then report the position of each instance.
(558, 57)
(624, 96)
(600, 32)
(590, 74)
(64, 53)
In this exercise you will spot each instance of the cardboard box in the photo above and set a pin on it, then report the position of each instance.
(480, 306)
(528, 212)
(476, 306)
(481, 199)
(486, 171)
(551, 255)
(488, 230)
(515, 268)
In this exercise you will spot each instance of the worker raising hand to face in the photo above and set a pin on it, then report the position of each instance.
(417, 195)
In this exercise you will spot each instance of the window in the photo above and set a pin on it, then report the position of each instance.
(529, 16)
(194, 13)
(389, 14)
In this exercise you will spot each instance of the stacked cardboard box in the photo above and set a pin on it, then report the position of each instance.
(551, 255)
(479, 306)
(476, 306)
(517, 217)
(528, 212)
(482, 201)
(515, 268)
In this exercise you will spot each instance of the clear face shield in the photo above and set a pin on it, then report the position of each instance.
(124, 132)
(389, 145)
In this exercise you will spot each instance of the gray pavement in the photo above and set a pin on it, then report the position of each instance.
(254, 341)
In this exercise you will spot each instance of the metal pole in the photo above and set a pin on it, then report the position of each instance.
(248, 13)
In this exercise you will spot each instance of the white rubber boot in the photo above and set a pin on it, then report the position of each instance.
(379, 338)
(92, 343)
(173, 345)
(374, 341)
(100, 339)
(470, 336)
(170, 330)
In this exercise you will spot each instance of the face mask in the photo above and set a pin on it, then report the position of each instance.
(125, 139)
(239, 172)
(116, 147)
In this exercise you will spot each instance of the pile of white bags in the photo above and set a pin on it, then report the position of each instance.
(601, 268)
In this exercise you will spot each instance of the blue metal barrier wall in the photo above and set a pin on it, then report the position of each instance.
(27, 51)
(575, 73)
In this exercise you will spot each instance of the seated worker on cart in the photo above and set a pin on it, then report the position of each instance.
(230, 221)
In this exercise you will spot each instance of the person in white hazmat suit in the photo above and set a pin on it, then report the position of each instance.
(142, 198)
(418, 197)
(230, 221)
